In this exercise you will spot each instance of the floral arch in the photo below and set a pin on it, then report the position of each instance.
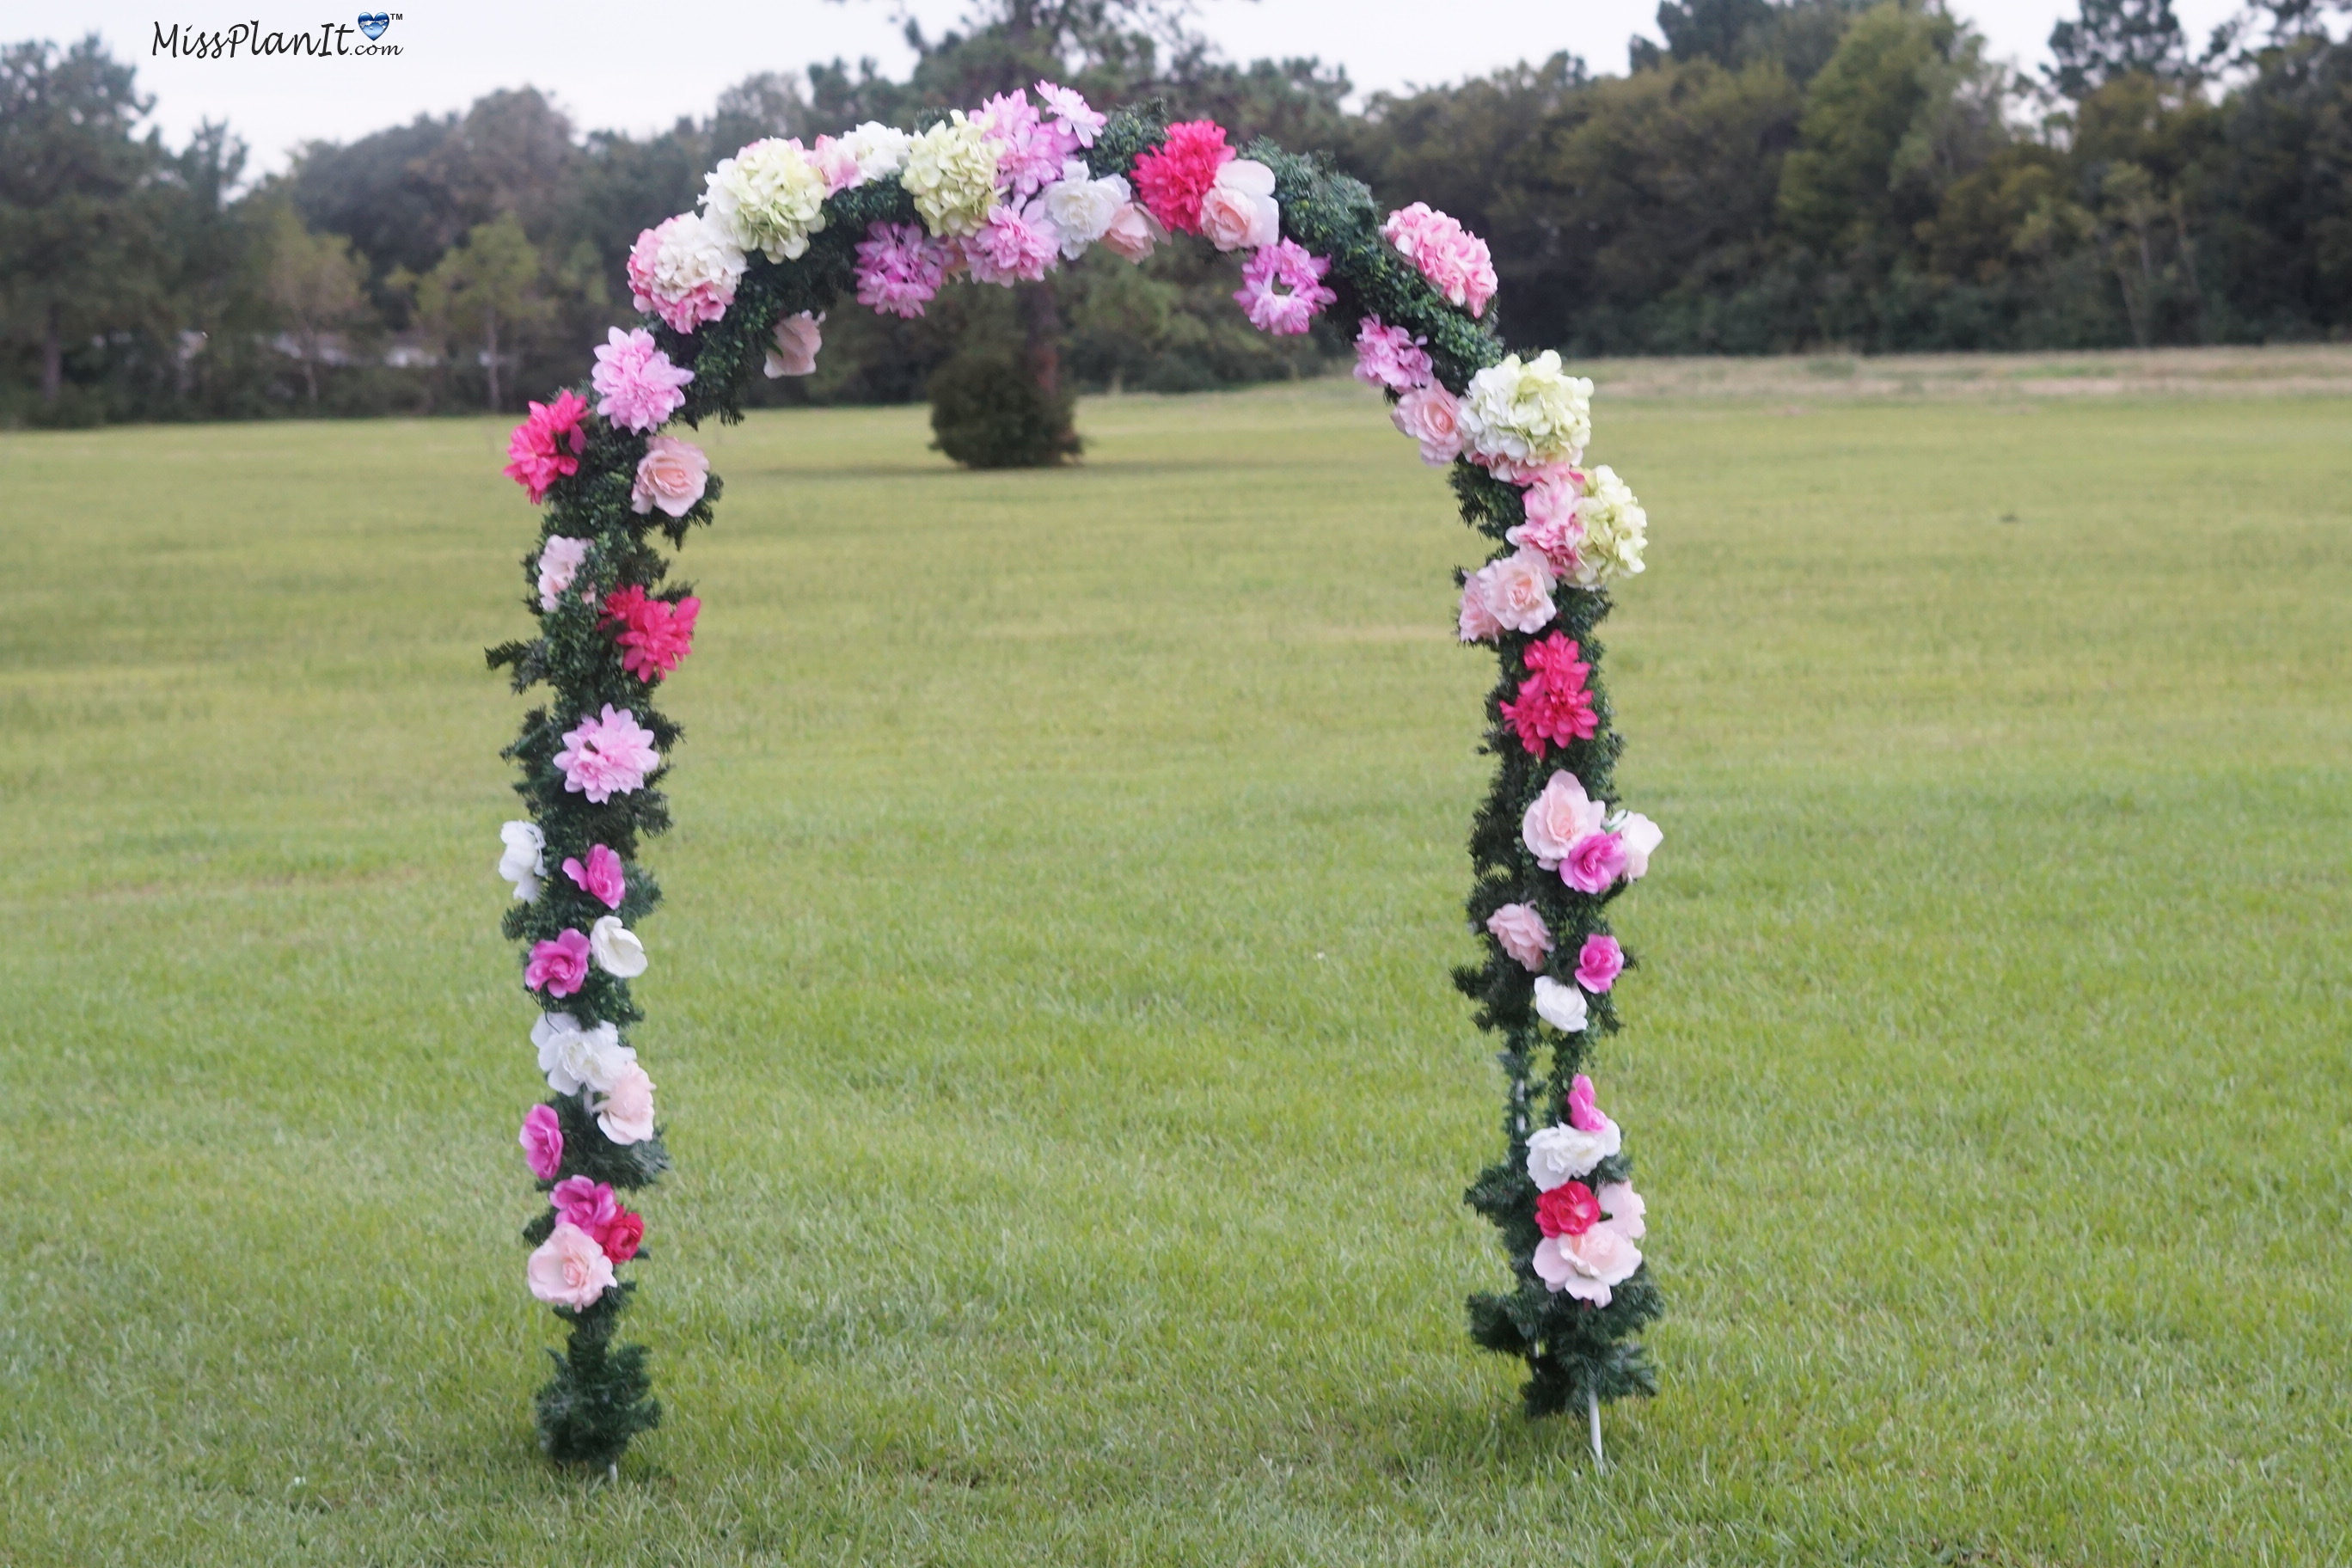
(738, 289)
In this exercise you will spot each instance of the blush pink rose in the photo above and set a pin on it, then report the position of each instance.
(1593, 863)
(1238, 211)
(796, 342)
(558, 966)
(1587, 1266)
(1522, 934)
(1133, 232)
(1625, 1208)
(1516, 592)
(1599, 962)
(672, 474)
(1476, 621)
(569, 1270)
(1557, 818)
(625, 1111)
(600, 878)
(542, 1140)
(1430, 415)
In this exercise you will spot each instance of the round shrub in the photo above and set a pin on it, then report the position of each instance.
(988, 413)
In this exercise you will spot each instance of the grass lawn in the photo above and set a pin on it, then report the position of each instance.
(1051, 1010)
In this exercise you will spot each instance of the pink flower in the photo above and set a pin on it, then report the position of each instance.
(1522, 934)
(660, 283)
(569, 1270)
(1587, 1266)
(1569, 1209)
(1455, 260)
(1390, 357)
(1593, 863)
(1172, 177)
(672, 474)
(601, 879)
(621, 1238)
(588, 1205)
(558, 966)
(1584, 1108)
(836, 161)
(793, 346)
(1430, 415)
(1238, 210)
(655, 635)
(1553, 706)
(1557, 818)
(558, 563)
(899, 267)
(1512, 594)
(1016, 244)
(1552, 527)
(1031, 149)
(1599, 964)
(1132, 233)
(607, 756)
(1626, 1210)
(547, 445)
(1286, 310)
(625, 1111)
(1476, 621)
(542, 1140)
(637, 386)
(1070, 114)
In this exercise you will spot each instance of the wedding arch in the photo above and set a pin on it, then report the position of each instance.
(738, 288)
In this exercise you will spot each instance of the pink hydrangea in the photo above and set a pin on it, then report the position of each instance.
(1172, 177)
(607, 756)
(1599, 964)
(899, 267)
(655, 634)
(637, 386)
(655, 289)
(1071, 115)
(1017, 244)
(1390, 357)
(1030, 150)
(1282, 288)
(1522, 934)
(1455, 260)
(600, 876)
(547, 445)
(557, 967)
(1552, 528)
(542, 1140)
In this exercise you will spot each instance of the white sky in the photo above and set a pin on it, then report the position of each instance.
(638, 66)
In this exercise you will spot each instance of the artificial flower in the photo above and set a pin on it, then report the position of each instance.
(1641, 837)
(684, 269)
(560, 560)
(880, 150)
(1614, 529)
(1562, 1153)
(542, 1140)
(1553, 707)
(1082, 206)
(559, 966)
(574, 1057)
(1018, 244)
(1238, 211)
(1552, 526)
(1584, 1106)
(1282, 288)
(624, 1112)
(1593, 863)
(1133, 232)
(607, 756)
(1513, 594)
(523, 860)
(1172, 177)
(637, 386)
(1569, 1209)
(1599, 964)
(1454, 260)
(1391, 356)
(1070, 113)
(837, 162)
(1522, 416)
(546, 446)
(622, 1238)
(1524, 937)
(769, 197)
(616, 948)
(672, 474)
(1030, 152)
(1561, 1006)
(1557, 818)
(898, 268)
(1587, 1266)
(569, 1270)
(655, 635)
(951, 171)
(1625, 1208)
(791, 348)
(1433, 417)
(600, 876)
(588, 1204)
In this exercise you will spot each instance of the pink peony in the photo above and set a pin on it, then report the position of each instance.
(1071, 115)
(1587, 1266)
(1553, 706)
(1522, 934)
(672, 474)
(559, 966)
(607, 756)
(625, 1111)
(588, 1205)
(1030, 150)
(601, 877)
(1584, 1108)
(637, 386)
(657, 283)
(1390, 357)
(1557, 818)
(542, 1140)
(1015, 244)
(1283, 312)
(1430, 415)
(1133, 232)
(559, 561)
(1513, 594)
(1552, 527)
(569, 1270)
(1454, 259)
(547, 445)
(1172, 177)
(899, 267)
(655, 635)
(1599, 964)
(793, 346)
(1238, 211)
(1593, 863)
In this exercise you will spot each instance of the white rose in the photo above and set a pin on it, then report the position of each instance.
(616, 948)
(1082, 206)
(1562, 1153)
(1561, 1006)
(524, 863)
(574, 1058)
(880, 150)
(1641, 837)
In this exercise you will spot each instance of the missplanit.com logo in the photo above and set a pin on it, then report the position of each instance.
(358, 38)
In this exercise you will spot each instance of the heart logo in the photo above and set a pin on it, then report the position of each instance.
(374, 22)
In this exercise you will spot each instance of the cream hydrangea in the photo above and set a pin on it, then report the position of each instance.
(769, 197)
(951, 173)
(1615, 530)
(1526, 414)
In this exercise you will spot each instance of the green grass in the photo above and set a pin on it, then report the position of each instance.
(1051, 1009)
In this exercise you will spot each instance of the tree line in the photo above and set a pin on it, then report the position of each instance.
(1777, 176)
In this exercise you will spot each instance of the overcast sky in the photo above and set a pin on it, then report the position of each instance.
(637, 66)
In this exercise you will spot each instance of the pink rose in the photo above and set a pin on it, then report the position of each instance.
(1593, 863)
(796, 342)
(1516, 592)
(588, 1205)
(1584, 1108)
(1522, 934)
(1478, 620)
(625, 1111)
(1625, 1208)
(1587, 1266)
(1430, 415)
(569, 1270)
(559, 966)
(1132, 233)
(542, 1140)
(1238, 211)
(1557, 818)
(672, 474)
(601, 877)
(1599, 962)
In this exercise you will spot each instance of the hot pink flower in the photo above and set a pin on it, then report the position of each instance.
(1031, 149)
(1172, 177)
(1557, 818)
(559, 966)
(637, 386)
(601, 879)
(542, 1140)
(1599, 964)
(1016, 244)
(1593, 863)
(621, 1238)
(1569, 1209)
(1070, 113)
(1282, 288)
(1583, 1109)
(899, 267)
(655, 635)
(1391, 356)
(672, 474)
(607, 756)
(588, 1205)
(569, 1270)
(1522, 934)
(547, 445)
(1455, 260)
(1553, 707)
(1430, 415)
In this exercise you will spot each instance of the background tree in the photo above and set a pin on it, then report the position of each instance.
(315, 285)
(2114, 38)
(490, 289)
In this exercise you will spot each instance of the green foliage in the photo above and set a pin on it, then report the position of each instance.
(988, 412)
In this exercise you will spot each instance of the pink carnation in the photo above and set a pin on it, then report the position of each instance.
(1430, 415)
(1172, 177)
(1071, 115)
(1454, 259)
(1599, 964)
(569, 1270)
(547, 445)
(600, 876)
(655, 635)
(684, 309)
(607, 756)
(542, 1140)
(1282, 288)
(638, 387)
(1390, 357)
(1552, 527)
(1553, 706)
(898, 268)
(558, 967)
(1593, 863)
(1016, 244)
(1031, 150)
(1522, 934)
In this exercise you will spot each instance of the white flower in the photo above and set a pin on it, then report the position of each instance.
(524, 863)
(574, 1058)
(616, 948)
(880, 150)
(694, 251)
(769, 197)
(558, 563)
(1561, 1006)
(1641, 837)
(1527, 413)
(1614, 529)
(951, 173)
(1561, 1153)
(1082, 206)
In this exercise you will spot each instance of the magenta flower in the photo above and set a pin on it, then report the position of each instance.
(900, 268)
(1016, 244)
(1282, 288)
(637, 386)
(1390, 357)
(655, 635)
(1454, 260)
(1594, 863)
(546, 446)
(607, 756)
(1599, 964)
(588, 1205)
(601, 877)
(559, 966)
(1583, 1112)
(542, 1140)
(1171, 178)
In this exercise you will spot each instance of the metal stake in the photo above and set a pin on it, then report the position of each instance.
(1592, 1404)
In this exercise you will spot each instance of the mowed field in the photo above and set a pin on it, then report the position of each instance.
(1050, 1015)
